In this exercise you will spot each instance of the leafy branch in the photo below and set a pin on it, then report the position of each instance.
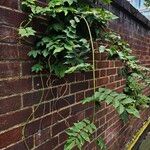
(123, 104)
(79, 134)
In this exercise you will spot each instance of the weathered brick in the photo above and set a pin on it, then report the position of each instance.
(88, 75)
(15, 86)
(11, 18)
(49, 145)
(8, 34)
(62, 114)
(7, 3)
(10, 137)
(19, 117)
(21, 145)
(102, 81)
(33, 98)
(77, 109)
(42, 136)
(38, 125)
(8, 52)
(78, 86)
(103, 64)
(10, 104)
(53, 81)
(111, 71)
(9, 69)
(62, 137)
(63, 102)
(26, 68)
(59, 127)
(79, 96)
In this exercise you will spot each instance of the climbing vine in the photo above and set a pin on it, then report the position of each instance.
(64, 47)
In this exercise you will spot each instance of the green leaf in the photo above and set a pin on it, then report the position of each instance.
(37, 68)
(34, 53)
(116, 103)
(26, 32)
(127, 101)
(85, 136)
(101, 144)
(45, 53)
(120, 109)
(77, 19)
(109, 99)
(133, 111)
(69, 146)
(58, 50)
(102, 49)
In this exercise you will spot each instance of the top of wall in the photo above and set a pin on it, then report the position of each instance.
(127, 8)
(124, 5)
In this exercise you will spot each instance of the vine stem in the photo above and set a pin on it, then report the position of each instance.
(28, 120)
(93, 59)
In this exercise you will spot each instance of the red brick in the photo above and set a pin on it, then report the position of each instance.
(111, 71)
(42, 136)
(11, 18)
(63, 102)
(9, 87)
(101, 113)
(37, 125)
(27, 68)
(63, 90)
(53, 81)
(8, 52)
(19, 117)
(9, 69)
(35, 97)
(78, 86)
(89, 112)
(59, 115)
(102, 81)
(79, 76)
(88, 75)
(10, 104)
(59, 127)
(10, 137)
(110, 115)
(77, 109)
(103, 73)
(49, 145)
(79, 96)
(7, 3)
(111, 85)
(42, 110)
(62, 137)
(8, 34)
(32, 128)
(104, 56)
(118, 64)
(103, 64)
(21, 145)
(23, 52)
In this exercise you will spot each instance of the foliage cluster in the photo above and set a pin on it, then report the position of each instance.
(79, 134)
(121, 102)
(63, 48)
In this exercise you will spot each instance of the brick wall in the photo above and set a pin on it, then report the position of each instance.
(21, 90)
